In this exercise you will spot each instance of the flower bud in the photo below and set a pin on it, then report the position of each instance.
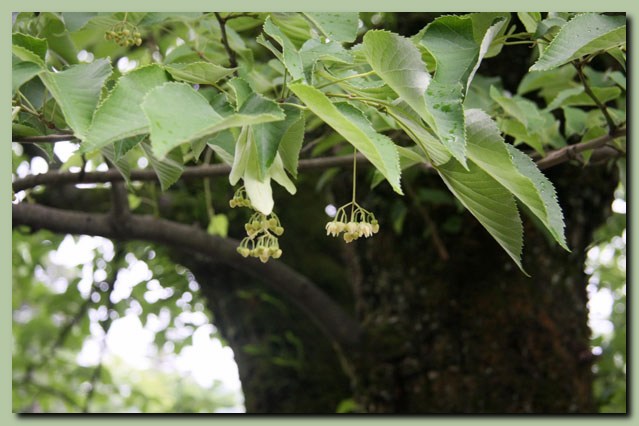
(277, 254)
(278, 230)
(351, 227)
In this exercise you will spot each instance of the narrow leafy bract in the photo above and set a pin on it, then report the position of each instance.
(77, 91)
(582, 35)
(178, 114)
(505, 164)
(198, 72)
(491, 203)
(120, 116)
(353, 126)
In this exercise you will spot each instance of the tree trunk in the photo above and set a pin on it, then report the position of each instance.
(470, 334)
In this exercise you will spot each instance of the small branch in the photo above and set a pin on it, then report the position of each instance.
(604, 110)
(570, 152)
(225, 41)
(327, 314)
(195, 172)
(44, 138)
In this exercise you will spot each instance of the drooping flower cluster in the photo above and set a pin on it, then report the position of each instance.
(360, 223)
(261, 231)
(125, 34)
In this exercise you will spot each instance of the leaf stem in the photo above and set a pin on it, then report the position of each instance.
(339, 80)
(354, 182)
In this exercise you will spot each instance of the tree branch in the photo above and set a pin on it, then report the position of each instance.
(329, 316)
(195, 172)
(44, 138)
(225, 41)
(570, 152)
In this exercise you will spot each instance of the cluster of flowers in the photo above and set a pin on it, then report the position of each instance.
(261, 231)
(361, 223)
(125, 34)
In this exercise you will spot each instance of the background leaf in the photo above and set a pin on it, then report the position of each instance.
(582, 35)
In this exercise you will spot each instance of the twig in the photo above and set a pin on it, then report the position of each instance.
(44, 138)
(225, 41)
(569, 152)
(604, 110)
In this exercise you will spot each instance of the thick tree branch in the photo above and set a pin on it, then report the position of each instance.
(330, 317)
(195, 172)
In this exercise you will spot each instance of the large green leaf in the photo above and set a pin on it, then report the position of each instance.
(582, 35)
(291, 142)
(290, 56)
(120, 116)
(398, 62)
(58, 38)
(178, 114)
(338, 26)
(508, 166)
(445, 104)
(198, 72)
(491, 203)
(77, 91)
(353, 126)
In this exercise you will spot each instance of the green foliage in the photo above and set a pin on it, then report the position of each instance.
(300, 72)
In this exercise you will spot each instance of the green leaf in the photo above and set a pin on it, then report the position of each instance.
(168, 170)
(444, 103)
(77, 91)
(198, 72)
(269, 136)
(491, 203)
(223, 144)
(290, 56)
(582, 35)
(219, 225)
(178, 114)
(508, 166)
(21, 72)
(120, 115)
(121, 164)
(29, 48)
(430, 145)
(399, 63)
(339, 26)
(450, 41)
(58, 38)
(353, 126)
(530, 20)
(578, 96)
(292, 139)
(314, 50)
(242, 91)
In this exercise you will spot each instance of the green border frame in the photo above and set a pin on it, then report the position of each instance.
(7, 418)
